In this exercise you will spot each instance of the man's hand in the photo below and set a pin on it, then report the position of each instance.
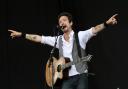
(100, 27)
(112, 20)
(31, 37)
(15, 33)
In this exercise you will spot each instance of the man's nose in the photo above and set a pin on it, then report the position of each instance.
(62, 24)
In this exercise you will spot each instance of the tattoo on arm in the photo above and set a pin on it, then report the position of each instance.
(32, 37)
(99, 28)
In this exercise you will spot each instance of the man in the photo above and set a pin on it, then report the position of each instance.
(77, 79)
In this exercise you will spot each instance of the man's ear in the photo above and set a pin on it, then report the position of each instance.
(71, 23)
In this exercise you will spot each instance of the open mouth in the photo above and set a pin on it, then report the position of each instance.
(63, 27)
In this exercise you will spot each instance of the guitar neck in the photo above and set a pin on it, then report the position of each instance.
(67, 65)
(84, 59)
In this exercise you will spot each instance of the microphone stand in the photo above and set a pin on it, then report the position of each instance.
(51, 59)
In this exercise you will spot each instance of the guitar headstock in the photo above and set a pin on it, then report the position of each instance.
(87, 58)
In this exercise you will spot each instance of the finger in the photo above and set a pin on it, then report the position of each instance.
(113, 19)
(114, 15)
(11, 35)
(11, 30)
(114, 22)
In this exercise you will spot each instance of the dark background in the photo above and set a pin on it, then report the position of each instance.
(23, 62)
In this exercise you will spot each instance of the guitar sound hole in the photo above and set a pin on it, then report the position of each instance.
(59, 68)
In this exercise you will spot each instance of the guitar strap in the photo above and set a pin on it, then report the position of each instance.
(78, 45)
(60, 46)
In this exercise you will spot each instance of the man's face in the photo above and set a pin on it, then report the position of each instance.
(65, 24)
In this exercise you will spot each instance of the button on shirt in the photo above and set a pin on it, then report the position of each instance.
(84, 36)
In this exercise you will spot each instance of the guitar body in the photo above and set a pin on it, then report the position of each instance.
(57, 71)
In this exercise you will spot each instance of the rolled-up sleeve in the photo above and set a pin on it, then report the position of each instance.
(49, 40)
(84, 36)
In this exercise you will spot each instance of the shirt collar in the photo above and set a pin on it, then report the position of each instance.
(70, 35)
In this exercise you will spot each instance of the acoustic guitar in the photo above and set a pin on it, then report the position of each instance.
(54, 70)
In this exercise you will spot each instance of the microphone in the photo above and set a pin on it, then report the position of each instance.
(60, 27)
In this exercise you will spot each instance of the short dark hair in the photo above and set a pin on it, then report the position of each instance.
(66, 14)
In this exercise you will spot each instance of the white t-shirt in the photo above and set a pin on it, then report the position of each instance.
(84, 36)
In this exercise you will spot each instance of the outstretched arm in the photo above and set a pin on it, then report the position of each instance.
(110, 21)
(31, 37)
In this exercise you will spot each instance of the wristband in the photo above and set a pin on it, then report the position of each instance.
(106, 25)
(23, 35)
